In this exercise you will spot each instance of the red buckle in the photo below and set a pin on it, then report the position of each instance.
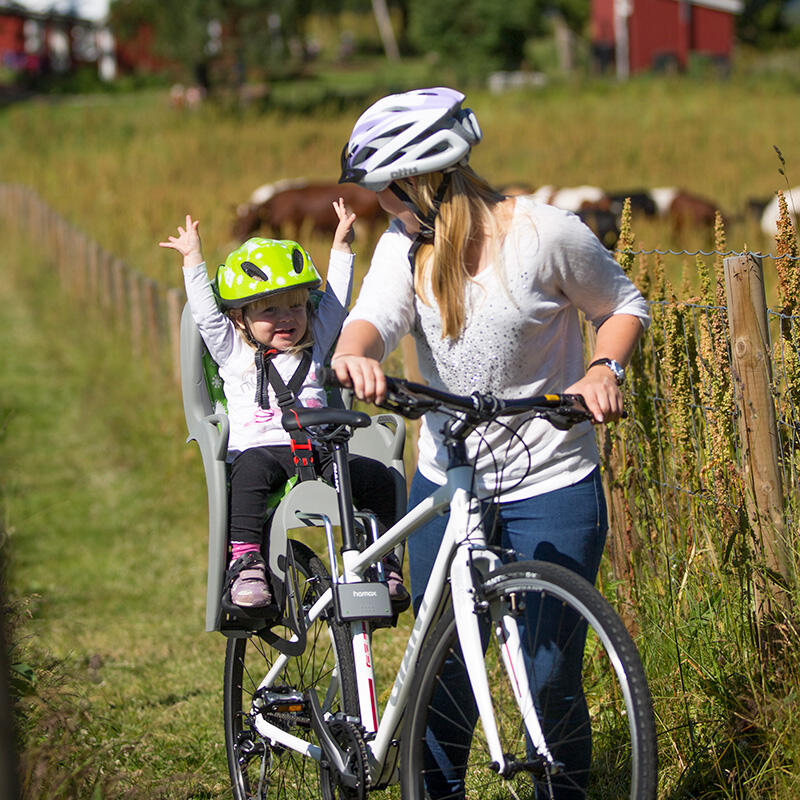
(300, 446)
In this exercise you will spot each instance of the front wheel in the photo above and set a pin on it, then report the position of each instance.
(587, 685)
(260, 683)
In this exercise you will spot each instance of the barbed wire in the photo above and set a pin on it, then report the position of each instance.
(658, 251)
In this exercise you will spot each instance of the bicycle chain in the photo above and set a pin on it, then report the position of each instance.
(351, 738)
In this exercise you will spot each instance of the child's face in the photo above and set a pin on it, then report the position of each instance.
(280, 323)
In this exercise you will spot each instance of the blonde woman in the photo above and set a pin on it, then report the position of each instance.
(490, 287)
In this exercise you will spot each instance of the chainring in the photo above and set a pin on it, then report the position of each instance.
(351, 739)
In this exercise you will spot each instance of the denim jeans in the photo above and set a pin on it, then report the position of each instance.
(566, 526)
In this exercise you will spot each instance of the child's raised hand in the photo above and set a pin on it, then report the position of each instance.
(344, 230)
(187, 243)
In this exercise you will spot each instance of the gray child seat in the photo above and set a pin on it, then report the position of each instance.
(207, 421)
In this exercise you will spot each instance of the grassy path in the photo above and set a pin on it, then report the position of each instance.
(104, 545)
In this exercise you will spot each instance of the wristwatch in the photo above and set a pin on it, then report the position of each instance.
(614, 366)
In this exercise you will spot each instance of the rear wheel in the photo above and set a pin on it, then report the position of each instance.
(602, 740)
(257, 768)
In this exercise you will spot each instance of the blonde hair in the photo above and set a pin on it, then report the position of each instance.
(465, 218)
(290, 297)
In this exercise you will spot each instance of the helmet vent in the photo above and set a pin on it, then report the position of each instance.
(298, 262)
(249, 268)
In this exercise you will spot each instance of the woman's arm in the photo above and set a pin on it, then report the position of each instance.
(616, 339)
(357, 360)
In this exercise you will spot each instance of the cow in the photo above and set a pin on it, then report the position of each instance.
(769, 216)
(285, 210)
(603, 223)
(641, 202)
(684, 210)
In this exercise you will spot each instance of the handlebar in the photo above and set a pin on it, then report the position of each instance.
(412, 400)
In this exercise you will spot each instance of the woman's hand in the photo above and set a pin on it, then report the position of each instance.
(364, 375)
(344, 234)
(600, 393)
(187, 243)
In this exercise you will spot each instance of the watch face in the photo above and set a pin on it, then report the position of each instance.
(615, 367)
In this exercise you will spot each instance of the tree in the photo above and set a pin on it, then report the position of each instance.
(255, 33)
(479, 35)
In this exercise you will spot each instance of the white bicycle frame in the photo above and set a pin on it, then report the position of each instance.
(462, 551)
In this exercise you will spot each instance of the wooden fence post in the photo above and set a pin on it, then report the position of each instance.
(758, 431)
(134, 301)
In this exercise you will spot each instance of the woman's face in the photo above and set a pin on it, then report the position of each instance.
(392, 204)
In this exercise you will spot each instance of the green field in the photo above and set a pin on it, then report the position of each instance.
(104, 513)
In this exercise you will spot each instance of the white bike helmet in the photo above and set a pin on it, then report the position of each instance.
(412, 133)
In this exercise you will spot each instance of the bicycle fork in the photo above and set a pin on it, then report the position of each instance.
(468, 608)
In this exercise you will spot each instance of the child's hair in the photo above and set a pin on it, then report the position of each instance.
(290, 297)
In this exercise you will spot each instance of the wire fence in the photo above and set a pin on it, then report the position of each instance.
(679, 472)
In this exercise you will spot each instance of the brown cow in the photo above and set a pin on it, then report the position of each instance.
(286, 210)
(683, 209)
(691, 211)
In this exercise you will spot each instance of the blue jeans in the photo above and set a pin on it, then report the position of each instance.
(567, 527)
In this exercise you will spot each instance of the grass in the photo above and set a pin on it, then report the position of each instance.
(104, 506)
(126, 169)
(105, 562)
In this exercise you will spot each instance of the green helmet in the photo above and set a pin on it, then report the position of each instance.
(261, 267)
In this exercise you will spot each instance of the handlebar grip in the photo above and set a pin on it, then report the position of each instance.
(327, 377)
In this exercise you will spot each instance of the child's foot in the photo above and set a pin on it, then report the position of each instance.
(398, 594)
(247, 577)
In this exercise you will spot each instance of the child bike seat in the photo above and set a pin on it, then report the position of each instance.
(207, 422)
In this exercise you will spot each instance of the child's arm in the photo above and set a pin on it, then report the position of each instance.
(215, 328)
(187, 243)
(344, 234)
(335, 301)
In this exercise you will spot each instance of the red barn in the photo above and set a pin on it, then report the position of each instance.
(37, 43)
(637, 35)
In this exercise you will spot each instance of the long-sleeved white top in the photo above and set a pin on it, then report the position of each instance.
(522, 337)
(250, 425)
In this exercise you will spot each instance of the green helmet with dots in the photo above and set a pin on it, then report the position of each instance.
(262, 267)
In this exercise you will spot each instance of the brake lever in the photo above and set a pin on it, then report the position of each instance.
(566, 416)
(407, 405)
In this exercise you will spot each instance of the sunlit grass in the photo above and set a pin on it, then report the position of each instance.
(104, 506)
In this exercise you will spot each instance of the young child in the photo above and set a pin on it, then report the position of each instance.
(257, 321)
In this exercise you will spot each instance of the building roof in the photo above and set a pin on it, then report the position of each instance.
(730, 6)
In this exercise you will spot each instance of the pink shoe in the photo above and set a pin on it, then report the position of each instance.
(398, 594)
(247, 578)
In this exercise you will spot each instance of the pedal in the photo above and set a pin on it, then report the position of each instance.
(281, 702)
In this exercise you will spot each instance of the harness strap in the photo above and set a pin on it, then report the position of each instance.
(286, 395)
(263, 361)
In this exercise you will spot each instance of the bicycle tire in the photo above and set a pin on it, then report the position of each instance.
(621, 728)
(325, 666)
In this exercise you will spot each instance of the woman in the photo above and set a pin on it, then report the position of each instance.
(490, 288)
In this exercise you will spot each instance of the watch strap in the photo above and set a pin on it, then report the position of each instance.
(616, 368)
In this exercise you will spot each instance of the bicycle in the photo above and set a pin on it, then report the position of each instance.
(302, 716)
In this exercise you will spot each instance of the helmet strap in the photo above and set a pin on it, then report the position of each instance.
(426, 223)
